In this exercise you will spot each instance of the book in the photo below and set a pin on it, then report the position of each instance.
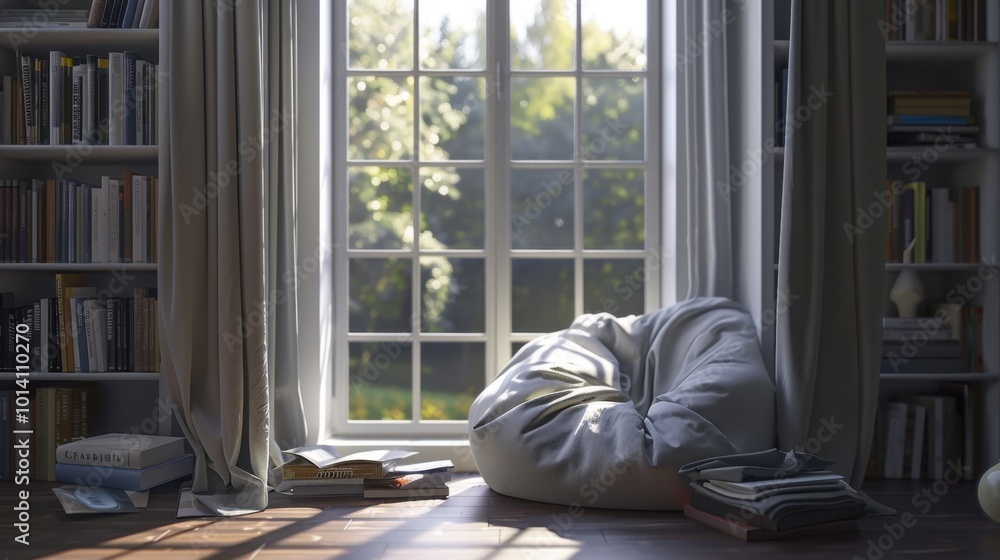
(126, 479)
(781, 512)
(365, 464)
(434, 485)
(126, 451)
(750, 533)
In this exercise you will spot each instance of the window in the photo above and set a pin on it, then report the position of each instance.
(493, 182)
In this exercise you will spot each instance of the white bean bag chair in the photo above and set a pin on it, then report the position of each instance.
(604, 413)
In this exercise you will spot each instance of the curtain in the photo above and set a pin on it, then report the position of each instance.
(697, 147)
(226, 217)
(827, 343)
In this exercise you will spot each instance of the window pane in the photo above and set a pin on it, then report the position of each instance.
(614, 34)
(453, 34)
(613, 209)
(380, 118)
(542, 37)
(614, 114)
(615, 286)
(451, 205)
(381, 295)
(381, 381)
(541, 118)
(451, 375)
(541, 294)
(380, 34)
(541, 202)
(452, 118)
(381, 208)
(453, 294)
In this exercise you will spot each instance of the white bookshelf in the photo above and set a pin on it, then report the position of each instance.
(759, 50)
(127, 400)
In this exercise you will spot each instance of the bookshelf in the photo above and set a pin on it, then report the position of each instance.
(128, 401)
(759, 43)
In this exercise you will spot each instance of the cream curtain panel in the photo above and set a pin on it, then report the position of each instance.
(226, 235)
(827, 344)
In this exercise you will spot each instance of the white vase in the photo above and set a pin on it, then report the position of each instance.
(907, 292)
(989, 493)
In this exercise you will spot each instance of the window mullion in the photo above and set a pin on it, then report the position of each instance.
(498, 264)
(578, 165)
(416, 311)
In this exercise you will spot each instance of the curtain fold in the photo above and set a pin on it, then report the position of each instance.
(704, 246)
(827, 343)
(225, 237)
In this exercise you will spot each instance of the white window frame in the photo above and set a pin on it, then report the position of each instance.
(331, 339)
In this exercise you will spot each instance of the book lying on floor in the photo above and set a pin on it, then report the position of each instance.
(431, 485)
(126, 479)
(411, 480)
(366, 464)
(781, 512)
(751, 533)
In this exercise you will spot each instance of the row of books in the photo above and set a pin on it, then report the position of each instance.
(926, 436)
(67, 221)
(934, 20)
(124, 14)
(941, 222)
(55, 415)
(135, 462)
(112, 14)
(926, 345)
(78, 331)
(931, 117)
(89, 99)
(319, 470)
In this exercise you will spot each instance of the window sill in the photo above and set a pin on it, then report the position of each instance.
(430, 449)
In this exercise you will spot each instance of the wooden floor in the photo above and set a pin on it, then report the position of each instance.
(475, 522)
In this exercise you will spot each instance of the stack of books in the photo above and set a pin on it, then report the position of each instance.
(126, 461)
(919, 345)
(807, 503)
(928, 117)
(319, 471)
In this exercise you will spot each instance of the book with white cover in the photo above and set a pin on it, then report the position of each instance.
(127, 451)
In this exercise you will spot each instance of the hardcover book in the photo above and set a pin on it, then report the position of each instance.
(313, 463)
(125, 451)
(126, 479)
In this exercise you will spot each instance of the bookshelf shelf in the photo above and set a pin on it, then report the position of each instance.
(37, 41)
(92, 154)
(77, 267)
(104, 376)
(972, 376)
(932, 267)
(931, 154)
(916, 51)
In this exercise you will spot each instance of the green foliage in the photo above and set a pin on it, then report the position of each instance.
(451, 118)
